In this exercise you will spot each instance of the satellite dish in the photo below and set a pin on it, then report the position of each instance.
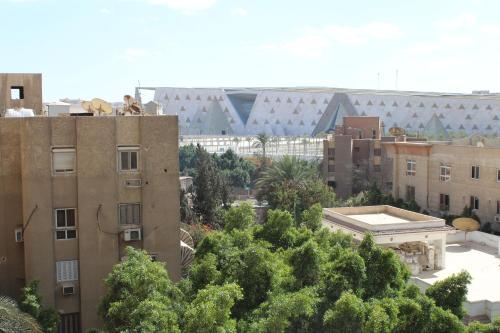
(131, 105)
(87, 106)
(466, 224)
(101, 106)
(397, 131)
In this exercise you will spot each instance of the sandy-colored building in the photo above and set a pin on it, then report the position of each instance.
(21, 90)
(353, 156)
(74, 192)
(443, 178)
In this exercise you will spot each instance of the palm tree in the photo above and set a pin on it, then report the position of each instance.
(13, 320)
(262, 140)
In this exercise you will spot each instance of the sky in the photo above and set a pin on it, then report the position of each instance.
(105, 48)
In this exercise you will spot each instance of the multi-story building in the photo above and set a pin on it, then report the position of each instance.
(74, 192)
(21, 90)
(353, 157)
(443, 177)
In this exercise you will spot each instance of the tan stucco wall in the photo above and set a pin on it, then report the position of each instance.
(32, 84)
(26, 182)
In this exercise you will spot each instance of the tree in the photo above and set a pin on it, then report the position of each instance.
(305, 261)
(451, 292)
(240, 217)
(13, 320)
(187, 159)
(278, 229)
(210, 311)
(347, 315)
(443, 321)
(31, 303)
(312, 218)
(140, 296)
(211, 189)
(263, 139)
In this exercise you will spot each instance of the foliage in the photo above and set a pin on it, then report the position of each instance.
(31, 303)
(451, 292)
(477, 327)
(240, 217)
(211, 189)
(210, 311)
(140, 296)
(293, 185)
(14, 320)
(347, 315)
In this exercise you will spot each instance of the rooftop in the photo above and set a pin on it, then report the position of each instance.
(382, 219)
(480, 261)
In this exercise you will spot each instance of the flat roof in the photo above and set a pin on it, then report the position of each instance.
(482, 263)
(379, 218)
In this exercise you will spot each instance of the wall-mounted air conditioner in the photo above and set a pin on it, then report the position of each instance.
(68, 289)
(132, 234)
(18, 235)
(497, 218)
(133, 183)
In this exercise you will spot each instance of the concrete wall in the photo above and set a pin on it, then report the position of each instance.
(32, 84)
(28, 187)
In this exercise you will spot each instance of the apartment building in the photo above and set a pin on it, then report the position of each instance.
(74, 192)
(353, 156)
(443, 177)
(21, 90)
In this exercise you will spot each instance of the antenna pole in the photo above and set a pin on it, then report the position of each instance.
(378, 80)
(397, 78)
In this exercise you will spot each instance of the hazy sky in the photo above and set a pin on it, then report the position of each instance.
(103, 48)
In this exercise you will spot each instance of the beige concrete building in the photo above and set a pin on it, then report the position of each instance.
(74, 192)
(443, 178)
(21, 91)
(353, 157)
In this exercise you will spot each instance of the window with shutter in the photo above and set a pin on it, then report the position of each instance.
(67, 270)
(63, 160)
(129, 213)
(128, 158)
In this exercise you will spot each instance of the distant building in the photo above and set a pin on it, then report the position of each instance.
(315, 110)
(21, 90)
(353, 157)
(443, 177)
(74, 192)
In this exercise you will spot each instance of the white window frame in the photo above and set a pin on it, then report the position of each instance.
(444, 173)
(64, 229)
(475, 172)
(67, 270)
(129, 150)
(63, 150)
(136, 204)
(411, 167)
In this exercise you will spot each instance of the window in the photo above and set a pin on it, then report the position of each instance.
(498, 207)
(331, 151)
(63, 160)
(376, 168)
(16, 92)
(388, 186)
(374, 134)
(65, 223)
(475, 172)
(67, 270)
(128, 158)
(69, 323)
(356, 149)
(331, 167)
(444, 173)
(411, 167)
(474, 202)
(130, 213)
(410, 193)
(444, 202)
(332, 184)
(498, 176)
(377, 151)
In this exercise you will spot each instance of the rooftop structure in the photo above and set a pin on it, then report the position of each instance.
(419, 239)
(310, 111)
(20, 90)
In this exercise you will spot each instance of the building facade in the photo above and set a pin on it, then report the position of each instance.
(353, 157)
(74, 192)
(21, 90)
(315, 110)
(443, 178)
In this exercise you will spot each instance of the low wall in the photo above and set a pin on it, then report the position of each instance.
(479, 237)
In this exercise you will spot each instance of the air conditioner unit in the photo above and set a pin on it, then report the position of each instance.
(68, 289)
(154, 257)
(133, 182)
(497, 218)
(132, 234)
(18, 234)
